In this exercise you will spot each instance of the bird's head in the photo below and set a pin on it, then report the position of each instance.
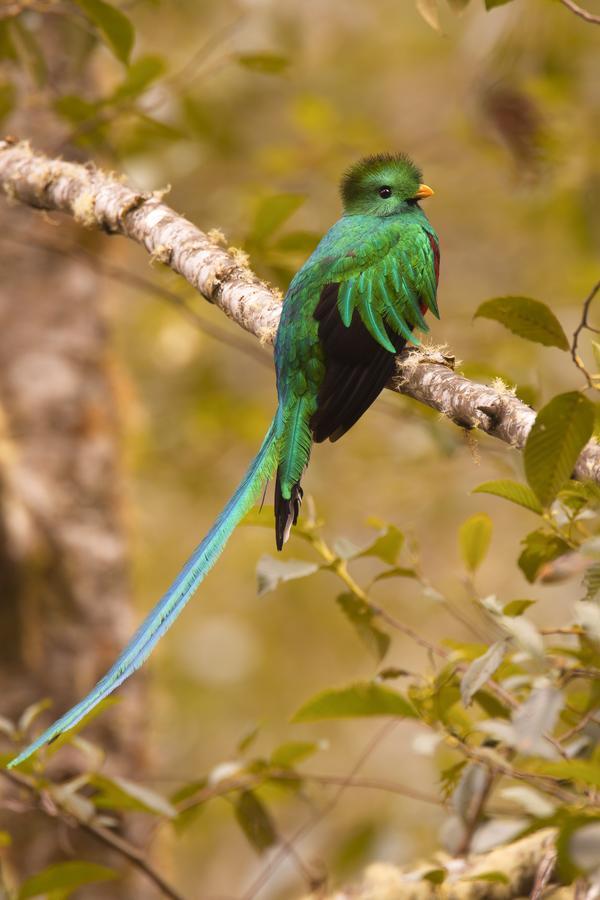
(382, 185)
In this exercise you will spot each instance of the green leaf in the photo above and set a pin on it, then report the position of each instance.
(266, 63)
(490, 4)
(362, 617)
(517, 607)
(297, 242)
(474, 538)
(270, 572)
(528, 318)
(587, 771)
(560, 432)
(398, 572)
(364, 698)
(387, 546)
(113, 24)
(272, 212)
(120, 793)
(492, 876)
(255, 821)
(293, 752)
(540, 547)
(75, 109)
(517, 493)
(435, 876)
(64, 877)
(138, 78)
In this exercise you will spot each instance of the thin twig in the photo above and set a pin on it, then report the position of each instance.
(583, 324)
(102, 834)
(317, 817)
(582, 13)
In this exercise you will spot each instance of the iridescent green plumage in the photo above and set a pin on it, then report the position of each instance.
(351, 307)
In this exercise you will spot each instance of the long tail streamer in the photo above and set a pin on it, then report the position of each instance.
(171, 604)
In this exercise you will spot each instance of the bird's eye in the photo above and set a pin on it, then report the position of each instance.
(385, 192)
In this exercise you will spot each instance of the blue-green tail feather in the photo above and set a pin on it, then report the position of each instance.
(171, 604)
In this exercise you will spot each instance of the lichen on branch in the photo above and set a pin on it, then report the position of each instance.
(97, 199)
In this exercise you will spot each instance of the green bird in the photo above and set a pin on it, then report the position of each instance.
(348, 311)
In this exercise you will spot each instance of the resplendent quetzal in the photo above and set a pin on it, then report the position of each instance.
(352, 306)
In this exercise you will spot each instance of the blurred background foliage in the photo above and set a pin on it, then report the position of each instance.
(249, 111)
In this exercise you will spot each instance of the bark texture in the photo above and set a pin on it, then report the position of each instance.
(65, 609)
(96, 199)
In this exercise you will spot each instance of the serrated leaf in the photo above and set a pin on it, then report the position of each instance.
(293, 752)
(540, 547)
(387, 546)
(362, 618)
(120, 793)
(255, 821)
(266, 63)
(480, 670)
(64, 877)
(428, 9)
(474, 538)
(560, 432)
(527, 318)
(113, 24)
(517, 493)
(355, 701)
(271, 572)
(517, 608)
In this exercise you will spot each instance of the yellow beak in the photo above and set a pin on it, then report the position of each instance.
(423, 192)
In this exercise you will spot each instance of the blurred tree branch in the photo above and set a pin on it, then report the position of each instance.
(582, 13)
(473, 878)
(48, 804)
(222, 276)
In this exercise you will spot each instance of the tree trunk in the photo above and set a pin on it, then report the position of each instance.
(66, 599)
